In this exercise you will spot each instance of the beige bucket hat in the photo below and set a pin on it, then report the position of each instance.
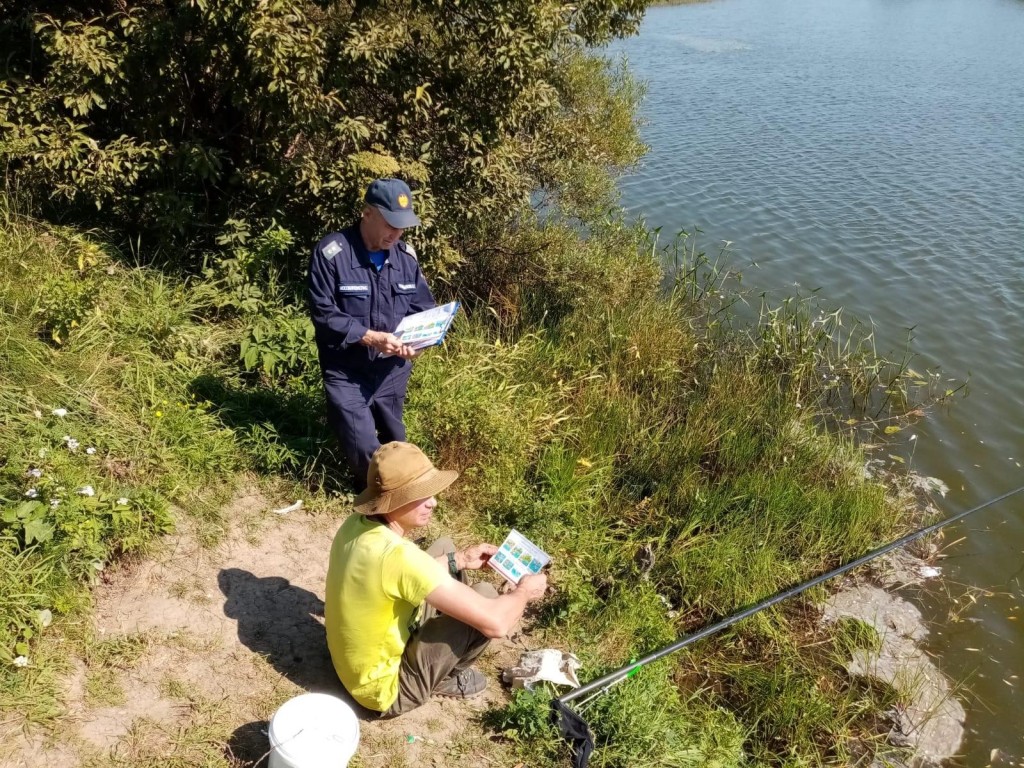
(400, 473)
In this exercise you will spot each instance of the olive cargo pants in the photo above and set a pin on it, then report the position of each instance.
(440, 646)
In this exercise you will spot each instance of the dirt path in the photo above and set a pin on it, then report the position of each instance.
(194, 649)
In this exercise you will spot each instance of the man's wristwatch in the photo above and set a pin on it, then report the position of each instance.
(453, 567)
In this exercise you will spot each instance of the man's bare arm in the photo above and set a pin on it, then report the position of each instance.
(493, 617)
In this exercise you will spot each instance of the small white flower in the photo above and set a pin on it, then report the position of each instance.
(90, 450)
(32, 493)
(122, 502)
(54, 503)
(21, 661)
(62, 412)
(87, 490)
(71, 443)
(37, 413)
(35, 472)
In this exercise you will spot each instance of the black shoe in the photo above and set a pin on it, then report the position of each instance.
(463, 684)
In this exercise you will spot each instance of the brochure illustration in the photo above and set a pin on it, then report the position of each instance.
(427, 328)
(517, 557)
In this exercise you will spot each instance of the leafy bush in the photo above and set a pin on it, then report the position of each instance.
(189, 122)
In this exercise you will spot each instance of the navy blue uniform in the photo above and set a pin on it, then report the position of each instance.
(349, 296)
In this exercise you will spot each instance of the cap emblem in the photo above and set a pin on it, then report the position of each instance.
(403, 201)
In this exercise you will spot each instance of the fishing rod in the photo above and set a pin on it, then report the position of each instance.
(575, 729)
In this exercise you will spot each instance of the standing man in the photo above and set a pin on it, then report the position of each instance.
(362, 282)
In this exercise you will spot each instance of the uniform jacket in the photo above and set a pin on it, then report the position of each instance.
(348, 296)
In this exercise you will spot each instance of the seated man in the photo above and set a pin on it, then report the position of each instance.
(390, 649)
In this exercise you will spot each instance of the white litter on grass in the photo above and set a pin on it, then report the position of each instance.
(87, 490)
(929, 571)
(550, 664)
(62, 412)
(21, 661)
(290, 508)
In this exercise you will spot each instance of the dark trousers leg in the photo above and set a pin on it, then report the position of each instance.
(439, 647)
(349, 414)
(388, 404)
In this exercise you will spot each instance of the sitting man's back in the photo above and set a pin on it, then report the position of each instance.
(401, 624)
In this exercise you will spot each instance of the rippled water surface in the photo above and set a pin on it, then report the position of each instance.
(874, 150)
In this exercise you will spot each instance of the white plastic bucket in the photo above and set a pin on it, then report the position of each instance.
(313, 730)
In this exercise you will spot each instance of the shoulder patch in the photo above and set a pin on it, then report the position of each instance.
(331, 250)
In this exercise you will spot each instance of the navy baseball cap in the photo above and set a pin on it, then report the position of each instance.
(393, 198)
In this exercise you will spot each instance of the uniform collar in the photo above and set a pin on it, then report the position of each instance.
(360, 254)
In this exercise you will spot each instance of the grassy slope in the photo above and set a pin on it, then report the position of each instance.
(671, 468)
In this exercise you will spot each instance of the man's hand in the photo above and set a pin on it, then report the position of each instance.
(385, 343)
(474, 558)
(533, 586)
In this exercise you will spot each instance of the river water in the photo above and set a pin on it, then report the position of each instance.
(874, 150)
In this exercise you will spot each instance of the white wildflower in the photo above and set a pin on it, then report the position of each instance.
(62, 412)
(32, 493)
(123, 502)
(71, 443)
(87, 490)
(54, 503)
(35, 472)
(21, 661)
(90, 450)
(37, 413)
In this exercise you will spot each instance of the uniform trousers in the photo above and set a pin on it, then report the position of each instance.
(365, 410)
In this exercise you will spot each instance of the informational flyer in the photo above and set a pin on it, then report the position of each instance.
(425, 329)
(517, 557)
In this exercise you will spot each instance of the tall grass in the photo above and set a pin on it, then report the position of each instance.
(676, 469)
(99, 432)
(670, 458)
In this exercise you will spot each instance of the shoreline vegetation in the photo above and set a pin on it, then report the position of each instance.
(598, 394)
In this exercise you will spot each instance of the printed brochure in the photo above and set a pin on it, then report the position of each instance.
(425, 329)
(517, 557)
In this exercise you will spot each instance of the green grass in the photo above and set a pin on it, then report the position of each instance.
(670, 458)
(100, 430)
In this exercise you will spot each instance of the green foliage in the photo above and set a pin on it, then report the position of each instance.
(100, 431)
(645, 721)
(852, 635)
(280, 344)
(526, 719)
(186, 121)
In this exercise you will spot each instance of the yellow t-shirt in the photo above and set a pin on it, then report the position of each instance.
(376, 581)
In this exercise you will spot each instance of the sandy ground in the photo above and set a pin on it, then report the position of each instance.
(227, 635)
